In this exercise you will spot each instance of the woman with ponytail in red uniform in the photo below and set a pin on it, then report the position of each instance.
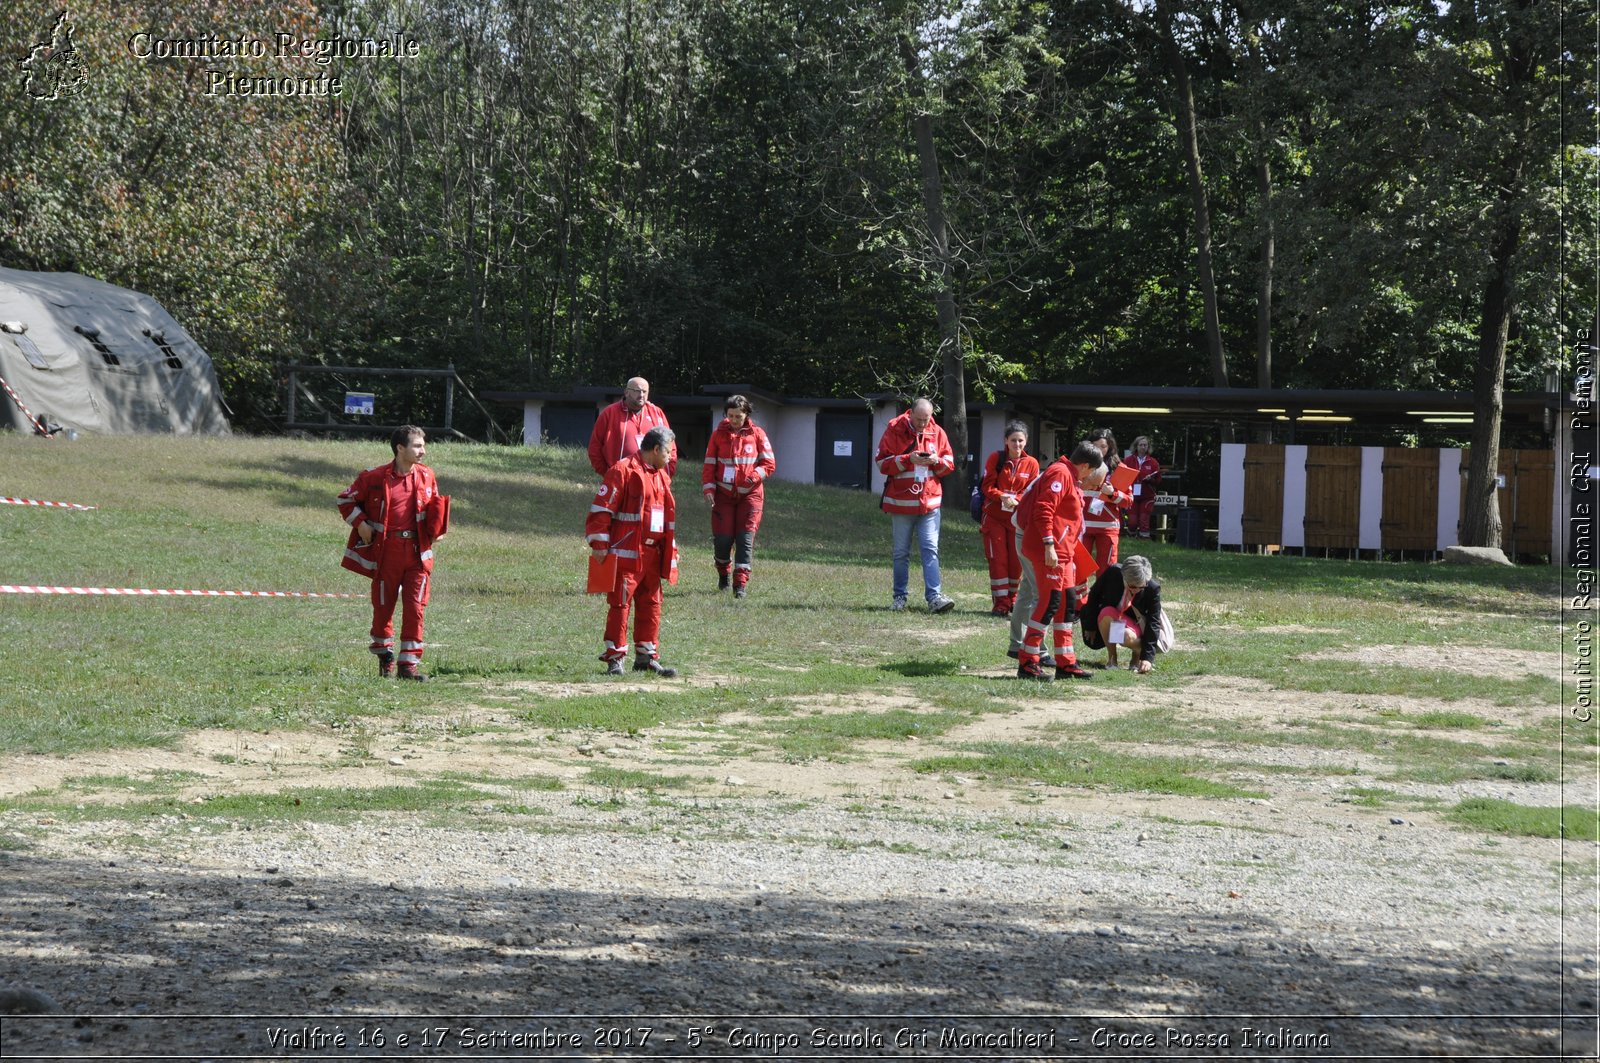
(739, 459)
(1005, 475)
(1102, 510)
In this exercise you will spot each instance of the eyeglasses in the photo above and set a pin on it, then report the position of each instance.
(635, 391)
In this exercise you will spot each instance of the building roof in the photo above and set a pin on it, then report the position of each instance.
(1273, 405)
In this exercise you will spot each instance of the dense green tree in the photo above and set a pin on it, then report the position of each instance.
(842, 196)
(143, 177)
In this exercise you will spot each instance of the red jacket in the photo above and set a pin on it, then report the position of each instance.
(1112, 503)
(1002, 476)
(1050, 512)
(618, 433)
(738, 461)
(634, 511)
(1149, 474)
(369, 498)
(905, 491)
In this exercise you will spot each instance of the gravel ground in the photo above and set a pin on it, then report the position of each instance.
(874, 914)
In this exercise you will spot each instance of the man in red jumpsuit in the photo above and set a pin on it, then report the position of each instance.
(633, 519)
(395, 513)
(1049, 516)
(620, 429)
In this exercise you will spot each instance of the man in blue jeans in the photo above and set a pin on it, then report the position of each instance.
(914, 455)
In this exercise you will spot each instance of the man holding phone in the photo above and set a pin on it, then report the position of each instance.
(914, 455)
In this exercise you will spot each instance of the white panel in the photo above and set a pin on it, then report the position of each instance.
(1230, 496)
(994, 438)
(1370, 536)
(1449, 496)
(793, 431)
(533, 422)
(1294, 496)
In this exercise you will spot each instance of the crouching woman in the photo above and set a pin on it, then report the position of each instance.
(1126, 594)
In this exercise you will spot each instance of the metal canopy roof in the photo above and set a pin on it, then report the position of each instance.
(1272, 404)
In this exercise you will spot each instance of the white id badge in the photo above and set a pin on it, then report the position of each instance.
(1097, 506)
(658, 520)
(921, 471)
(1136, 488)
(727, 474)
(1118, 633)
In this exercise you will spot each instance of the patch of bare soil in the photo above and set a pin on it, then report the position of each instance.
(1448, 658)
(759, 886)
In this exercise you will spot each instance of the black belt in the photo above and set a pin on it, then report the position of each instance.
(406, 534)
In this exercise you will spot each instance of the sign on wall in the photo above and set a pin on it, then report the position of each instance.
(359, 402)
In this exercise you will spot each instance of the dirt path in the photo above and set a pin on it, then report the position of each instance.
(743, 888)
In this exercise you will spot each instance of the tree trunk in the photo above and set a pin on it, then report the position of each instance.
(1268, 248)
(1264, 282)
(1480, 518)
(951, 362)
(1189, 135)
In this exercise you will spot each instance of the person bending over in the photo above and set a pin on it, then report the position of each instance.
(1125, 600)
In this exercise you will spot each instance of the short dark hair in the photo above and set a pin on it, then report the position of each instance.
(403, 435)
(1086, 453)
(739, 402)
(1014, 426)
(657, 437)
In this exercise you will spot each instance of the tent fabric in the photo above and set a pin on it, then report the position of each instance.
(150, 388)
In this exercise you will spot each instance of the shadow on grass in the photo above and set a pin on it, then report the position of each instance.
(919, 669)
(182, 960)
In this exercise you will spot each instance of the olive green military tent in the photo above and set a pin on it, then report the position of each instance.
(90, 356)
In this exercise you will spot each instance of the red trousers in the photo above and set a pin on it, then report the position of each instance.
(1102, 543)
(734, 521)
(400, 578)
(644, 589)
(1139, 513)
(1055, 612)
(1005, 564)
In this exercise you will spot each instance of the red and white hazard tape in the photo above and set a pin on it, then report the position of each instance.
(145, 592)
(37, 502)
(38, 425)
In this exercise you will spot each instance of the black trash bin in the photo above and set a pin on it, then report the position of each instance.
(1190, 529)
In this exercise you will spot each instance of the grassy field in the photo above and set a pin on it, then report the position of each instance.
(509, 618)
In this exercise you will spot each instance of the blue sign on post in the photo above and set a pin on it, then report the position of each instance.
(359, 402)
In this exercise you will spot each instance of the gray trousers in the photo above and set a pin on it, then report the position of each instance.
(1027, 600)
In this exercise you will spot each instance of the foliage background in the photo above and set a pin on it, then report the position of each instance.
(559, 192)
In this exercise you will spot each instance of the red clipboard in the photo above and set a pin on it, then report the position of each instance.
(439, 515)
(1122, 478)
(1083, 563)
(602, 574)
